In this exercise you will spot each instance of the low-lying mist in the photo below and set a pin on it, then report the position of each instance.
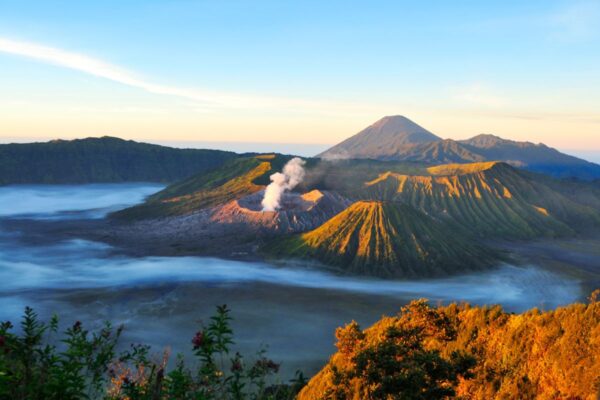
(292, 308)
(80, 264)
(71, 201)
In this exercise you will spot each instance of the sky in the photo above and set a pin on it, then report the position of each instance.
(299, 74)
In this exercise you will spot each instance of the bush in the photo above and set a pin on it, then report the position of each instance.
(38, 364)
(467, 352)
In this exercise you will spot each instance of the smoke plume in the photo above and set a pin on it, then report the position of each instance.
(289, 178)
(335, 156)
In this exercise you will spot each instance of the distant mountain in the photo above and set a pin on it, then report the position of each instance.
(399, 139)
(440, 152)
(105, 159)
(383, 140)
(533, 157)
(387, 239)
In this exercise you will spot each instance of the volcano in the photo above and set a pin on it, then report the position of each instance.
(298, 212)
(387, 239)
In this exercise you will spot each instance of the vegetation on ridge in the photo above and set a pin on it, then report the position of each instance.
(490, 199)
(105, 159)
(534, 355)
(237, 178)
(423, 352)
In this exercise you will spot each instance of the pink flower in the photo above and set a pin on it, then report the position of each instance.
(236, 366)
(198, 340)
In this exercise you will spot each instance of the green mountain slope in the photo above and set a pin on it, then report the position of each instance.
(490, 199)
(389, 240)
(105, 159)
(235, 179)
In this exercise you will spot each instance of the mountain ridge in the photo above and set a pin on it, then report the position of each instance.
(103, 159)
(395, 145)
(396, 132)
(491, 198)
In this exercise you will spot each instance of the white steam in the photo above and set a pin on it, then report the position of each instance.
(335, 155)
(289, 178)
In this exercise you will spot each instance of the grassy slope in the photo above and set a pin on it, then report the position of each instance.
(491, 199)
(105, 159)
(387, 239)
(235, 179)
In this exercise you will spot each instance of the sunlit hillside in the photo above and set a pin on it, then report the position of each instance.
(534, 355)
(490, 199)
(235, 179)
(387, 239)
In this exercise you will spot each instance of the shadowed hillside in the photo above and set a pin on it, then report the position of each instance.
(387, 239)
(442, 151)
(534, 355)
(533, 157)
(105, 159)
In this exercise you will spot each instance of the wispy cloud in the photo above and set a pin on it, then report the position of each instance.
(478, 94)
(202, 98)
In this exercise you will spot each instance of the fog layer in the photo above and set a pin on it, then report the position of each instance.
(294, 308)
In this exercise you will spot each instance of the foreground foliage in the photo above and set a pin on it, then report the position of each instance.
(424, 352)
(38, 364)
(468, 352)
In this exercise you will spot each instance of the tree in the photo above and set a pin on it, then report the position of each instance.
(398, 365)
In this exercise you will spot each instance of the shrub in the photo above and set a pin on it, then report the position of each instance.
(38, 364)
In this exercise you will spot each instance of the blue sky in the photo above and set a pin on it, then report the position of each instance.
(308, 72)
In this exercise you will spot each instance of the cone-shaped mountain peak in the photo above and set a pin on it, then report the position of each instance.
(386, 239)
(388, 135)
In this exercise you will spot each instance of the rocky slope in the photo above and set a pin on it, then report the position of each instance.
(234, 228)
(299, 212)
